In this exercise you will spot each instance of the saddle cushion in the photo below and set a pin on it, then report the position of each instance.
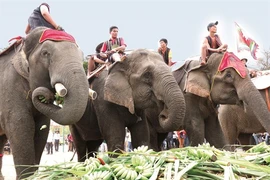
(55, 35)
(12, 46)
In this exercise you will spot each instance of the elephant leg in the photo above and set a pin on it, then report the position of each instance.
(246, 139)
(21, 137)
(79, 142)
(115, 139)
(140, 134)
(194, 119)
(3, 140)
(41, 136)
(195, 131)
(154, 139)
(112, 125)
(213, 132)
(92, 146)
(230, 131)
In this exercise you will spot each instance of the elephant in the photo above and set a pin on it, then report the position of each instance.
(205, 87)
(238, 122)
(124, 91)
(30, 69)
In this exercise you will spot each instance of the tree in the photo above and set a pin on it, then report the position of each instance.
(85, 66)
(265, 61)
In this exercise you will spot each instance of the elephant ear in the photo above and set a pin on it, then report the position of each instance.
(117, 89)
(20, 63)
(197, 82)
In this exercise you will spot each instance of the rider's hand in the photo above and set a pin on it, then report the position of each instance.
(219, 50)
(113, 50)
(103, 55)
(59, 28)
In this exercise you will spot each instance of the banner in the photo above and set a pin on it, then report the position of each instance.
(245, 43)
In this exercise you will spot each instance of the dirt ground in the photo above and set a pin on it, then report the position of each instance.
(8, 169)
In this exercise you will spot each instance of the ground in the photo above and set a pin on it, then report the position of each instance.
(8, 169)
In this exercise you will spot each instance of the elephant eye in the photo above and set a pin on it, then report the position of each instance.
(45, 53)
(147, 76)
(228, 75)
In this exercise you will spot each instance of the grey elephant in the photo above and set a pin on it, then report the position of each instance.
(240, 122)
(29, 72)
(207, 86)
(141, 81)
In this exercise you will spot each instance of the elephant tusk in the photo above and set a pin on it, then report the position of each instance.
(92, 94)
(60, 89)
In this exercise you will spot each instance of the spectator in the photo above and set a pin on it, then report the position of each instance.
(103, 147)
(41, 17)
(7, 147)
(128, 139)
(183, 139)
(70, 143)
(211, 43)
(56, 140)
(257, 137)
(244, 60)
(50, 143)
(169, 140)
(267, 138)
(165, 51)
(175, 140)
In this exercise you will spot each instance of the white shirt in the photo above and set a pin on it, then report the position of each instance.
(50, 137)
(56, 136)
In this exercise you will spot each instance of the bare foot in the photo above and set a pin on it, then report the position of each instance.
(203, 63)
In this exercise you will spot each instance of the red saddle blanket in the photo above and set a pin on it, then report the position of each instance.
(230, 60)
(55, 35)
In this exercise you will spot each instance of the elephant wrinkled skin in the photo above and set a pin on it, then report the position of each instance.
(141, 81)
(210, 88)
(239, 123)
(28, 74)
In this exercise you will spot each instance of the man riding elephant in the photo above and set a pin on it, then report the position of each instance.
(211, 43)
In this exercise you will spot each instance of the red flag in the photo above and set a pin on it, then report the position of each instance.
(230, 60)
(245, 43)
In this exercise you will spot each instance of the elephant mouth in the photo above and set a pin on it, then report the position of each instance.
(164, 114)
(231, 97)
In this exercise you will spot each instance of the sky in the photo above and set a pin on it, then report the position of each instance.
(142, 23)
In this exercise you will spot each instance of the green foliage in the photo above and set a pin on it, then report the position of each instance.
(179, 163)
(85, 66)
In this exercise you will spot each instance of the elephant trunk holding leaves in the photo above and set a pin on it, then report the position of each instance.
(30, 71)
(238, 121)
(141, 81)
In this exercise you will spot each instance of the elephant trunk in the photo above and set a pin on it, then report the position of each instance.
(173, 113)
(75, 101)
(251, 97)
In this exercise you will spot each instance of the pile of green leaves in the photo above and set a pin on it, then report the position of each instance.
(201, 162)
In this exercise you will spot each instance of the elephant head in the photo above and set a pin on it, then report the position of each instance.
(231, 85)
(143, 81)
(44, 64)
